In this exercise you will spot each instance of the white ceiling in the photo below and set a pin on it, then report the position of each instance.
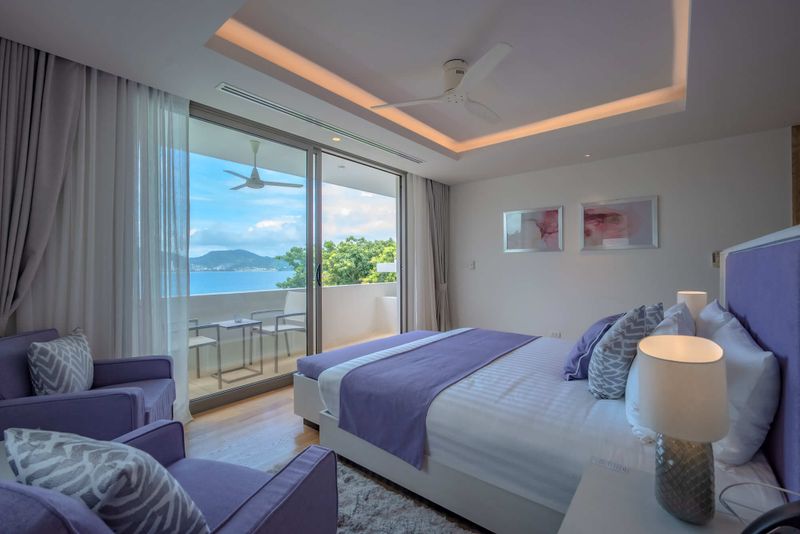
(744, 65)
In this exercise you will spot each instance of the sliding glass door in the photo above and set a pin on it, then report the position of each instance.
(249, 226)
(293, 251)
(357, 236)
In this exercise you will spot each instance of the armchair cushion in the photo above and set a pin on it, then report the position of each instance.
(30, 509)
(63, 365)
(104, 475)
(218, 489)
(15, 380)
(158, 394)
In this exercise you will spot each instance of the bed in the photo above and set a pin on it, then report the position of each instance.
(489, 453)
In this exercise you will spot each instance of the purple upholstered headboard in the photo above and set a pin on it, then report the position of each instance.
(761, 287)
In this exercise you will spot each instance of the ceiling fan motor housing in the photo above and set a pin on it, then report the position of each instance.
(454, 70)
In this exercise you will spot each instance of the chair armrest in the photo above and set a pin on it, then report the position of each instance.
(103, 414)
(261, 312)
(123, 370)
(285, 315)
(163, 440)
(302, 497)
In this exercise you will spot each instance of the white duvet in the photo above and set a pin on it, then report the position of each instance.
(518, 425)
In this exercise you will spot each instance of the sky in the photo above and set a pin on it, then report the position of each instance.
(271, 220)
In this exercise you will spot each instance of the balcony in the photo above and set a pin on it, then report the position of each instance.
(350, 314)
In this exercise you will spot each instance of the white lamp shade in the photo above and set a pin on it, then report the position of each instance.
(683, 387)
(694, 300)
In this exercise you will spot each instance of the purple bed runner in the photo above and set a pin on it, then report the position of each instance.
(312, 366)
(386, 402)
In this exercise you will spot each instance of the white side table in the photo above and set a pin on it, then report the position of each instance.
(615, 500)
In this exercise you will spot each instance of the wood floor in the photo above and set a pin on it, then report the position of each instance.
(261, 432)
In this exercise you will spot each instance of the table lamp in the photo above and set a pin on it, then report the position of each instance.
(683, 397)
(694, 300)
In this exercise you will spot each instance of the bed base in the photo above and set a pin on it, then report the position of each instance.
(482, 503)
(307, 402)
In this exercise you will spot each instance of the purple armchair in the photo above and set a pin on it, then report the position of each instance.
(126, 394)
(302, 497)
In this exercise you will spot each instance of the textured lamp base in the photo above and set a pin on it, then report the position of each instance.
(685, 479)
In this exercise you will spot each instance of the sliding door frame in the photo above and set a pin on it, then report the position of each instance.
(314, 152)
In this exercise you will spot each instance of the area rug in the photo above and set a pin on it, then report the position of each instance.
(369, 503)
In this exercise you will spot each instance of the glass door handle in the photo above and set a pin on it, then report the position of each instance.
(318, 274)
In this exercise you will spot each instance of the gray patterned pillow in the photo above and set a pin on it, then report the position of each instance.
(612, 358)
(126, 487)
(653, 315)
(63, 365)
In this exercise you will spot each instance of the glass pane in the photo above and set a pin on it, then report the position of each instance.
(359, 253)
(247, 249)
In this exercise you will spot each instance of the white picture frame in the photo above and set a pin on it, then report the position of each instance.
(621, 224)
(534, 230)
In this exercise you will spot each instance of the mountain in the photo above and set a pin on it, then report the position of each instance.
(236, 260)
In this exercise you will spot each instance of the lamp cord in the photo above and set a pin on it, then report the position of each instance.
(726, 503)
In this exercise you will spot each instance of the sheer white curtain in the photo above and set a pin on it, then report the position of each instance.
(116, 262)
(419, 283)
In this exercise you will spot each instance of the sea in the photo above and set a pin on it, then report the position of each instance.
(208, 282)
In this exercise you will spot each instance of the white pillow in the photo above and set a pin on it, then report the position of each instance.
(711, 318)
(677, 320)
(754, 385)
(683, 317)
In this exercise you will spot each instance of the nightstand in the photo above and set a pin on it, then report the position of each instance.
(613, 499)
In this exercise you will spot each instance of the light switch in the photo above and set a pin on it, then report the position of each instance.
(472, 265)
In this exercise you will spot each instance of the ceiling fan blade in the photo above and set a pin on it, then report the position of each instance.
(242, 176)
(479, 70)
(482, 111)
(280, 184)
(416, 102)
(239, 187)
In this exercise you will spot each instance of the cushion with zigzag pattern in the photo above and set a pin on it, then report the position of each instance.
(126, 487)
(612, 358)
(63, 365)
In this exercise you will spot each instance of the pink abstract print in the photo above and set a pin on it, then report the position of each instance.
(535, 230)
(620, 224)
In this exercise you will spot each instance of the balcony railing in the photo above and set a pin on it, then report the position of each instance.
(350, 314)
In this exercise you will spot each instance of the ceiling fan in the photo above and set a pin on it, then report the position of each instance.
(254, 181)
(459, 80)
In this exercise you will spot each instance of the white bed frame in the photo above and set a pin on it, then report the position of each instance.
(307, 401)
(482, 503)
(472, 498)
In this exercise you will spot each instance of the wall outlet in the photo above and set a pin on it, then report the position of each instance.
(555, 334)
(471, 265)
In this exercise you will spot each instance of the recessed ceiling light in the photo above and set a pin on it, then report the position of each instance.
(336, 139)
(587, 155)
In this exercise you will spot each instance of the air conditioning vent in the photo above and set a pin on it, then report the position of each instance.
(255, 99)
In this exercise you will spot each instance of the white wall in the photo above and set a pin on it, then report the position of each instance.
(711, 195)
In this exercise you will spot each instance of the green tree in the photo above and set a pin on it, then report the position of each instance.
(351, 261)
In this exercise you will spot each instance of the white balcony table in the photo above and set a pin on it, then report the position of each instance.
(243, 325)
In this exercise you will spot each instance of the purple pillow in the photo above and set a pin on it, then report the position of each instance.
(577, 365)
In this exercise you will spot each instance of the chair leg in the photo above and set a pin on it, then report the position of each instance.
(275, 337)
(286, 338)
(197, 355)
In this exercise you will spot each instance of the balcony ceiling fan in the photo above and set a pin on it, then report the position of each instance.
(459, 80)
(254, 181)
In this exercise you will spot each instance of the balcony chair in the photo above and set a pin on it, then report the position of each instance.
(196, 341)
(301, 497)
(127, 393)
(294, 309)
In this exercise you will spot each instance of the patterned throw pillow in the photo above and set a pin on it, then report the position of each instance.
(126, 487)
(611, 361)
(63, 365)
(653, 315)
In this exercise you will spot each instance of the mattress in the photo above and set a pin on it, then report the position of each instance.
(312, 366)
(518, 425)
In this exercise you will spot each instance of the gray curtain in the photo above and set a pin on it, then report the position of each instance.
(439, 216)
(39, 103)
